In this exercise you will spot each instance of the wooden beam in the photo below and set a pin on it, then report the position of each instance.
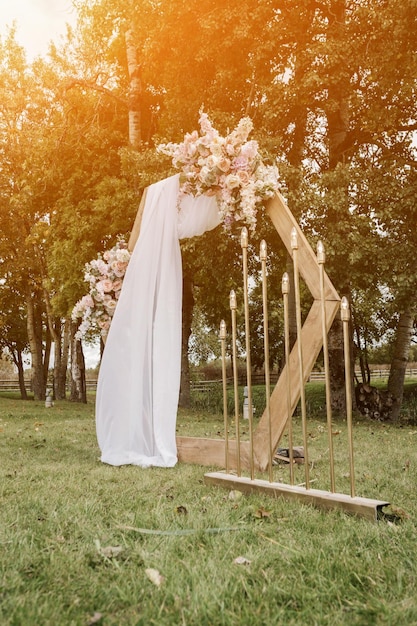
(213, 451)
(311, 338)
(284, 222)
(210, 452)
(363, 507)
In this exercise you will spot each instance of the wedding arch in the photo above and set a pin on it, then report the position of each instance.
(222, 179)
(205, 451)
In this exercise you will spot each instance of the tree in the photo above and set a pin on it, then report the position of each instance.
(24, 195)
(13, 332)
(330, 86)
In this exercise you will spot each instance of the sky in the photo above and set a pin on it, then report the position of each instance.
(37, 21)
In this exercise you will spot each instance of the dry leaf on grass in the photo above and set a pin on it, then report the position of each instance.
(392, 513)
(109, 552)
(94, 619)
(154, 576)
(235, 495)
(261, 513)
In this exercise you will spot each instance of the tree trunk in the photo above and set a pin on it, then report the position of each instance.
(47, 357)
(362, 352)
(338, 127)
(21, 375)
(297, 151)
(336, 366)
(17, 358)
(78, 385)
(399, 361)
(62, 338)
(135, 91)
(187, 317)
(34, 326)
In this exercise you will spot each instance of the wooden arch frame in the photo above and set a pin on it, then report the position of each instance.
(211, 452)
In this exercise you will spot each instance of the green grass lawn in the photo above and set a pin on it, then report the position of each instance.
(74, 548)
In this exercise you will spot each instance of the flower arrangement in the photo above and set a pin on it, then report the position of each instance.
(104, 277)
(228, 167)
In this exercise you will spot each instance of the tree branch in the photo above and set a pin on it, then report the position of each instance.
(77, 82)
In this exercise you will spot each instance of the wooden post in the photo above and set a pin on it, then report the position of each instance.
(294, 246)
(233, 306)
(244, 244)
(345, 314)
(321, 257)
(285, 287)
(263, 257)
(222, 336)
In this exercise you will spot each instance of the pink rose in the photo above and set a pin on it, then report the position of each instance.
(105, 285)
(88, 301)
(243, 176)
(117, 284)
(119, 268)
(224, 165)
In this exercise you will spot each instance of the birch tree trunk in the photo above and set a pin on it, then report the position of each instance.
(78, 385)
(61, 349)
(61, 369)
(399, 361)
(47, 356)
(135, 91)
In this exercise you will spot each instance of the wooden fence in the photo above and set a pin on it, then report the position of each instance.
(208, 385)
(13, 385)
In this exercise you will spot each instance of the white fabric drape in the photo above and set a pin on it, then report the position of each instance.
(139, 379)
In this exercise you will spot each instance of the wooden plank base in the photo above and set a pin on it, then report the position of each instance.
(363, 507)
(211, 452)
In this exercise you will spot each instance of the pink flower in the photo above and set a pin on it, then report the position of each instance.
(105, 285)
(240, 162)
(117, 284)
(119, 268)
(224, 165)
(228, 167)
(243, 177)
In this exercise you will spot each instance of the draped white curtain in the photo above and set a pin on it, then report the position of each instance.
(139, 379)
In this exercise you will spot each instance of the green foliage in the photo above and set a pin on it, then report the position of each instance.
(330, 87)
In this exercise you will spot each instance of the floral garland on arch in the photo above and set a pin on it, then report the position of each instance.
(104, 277)
(228, 167)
